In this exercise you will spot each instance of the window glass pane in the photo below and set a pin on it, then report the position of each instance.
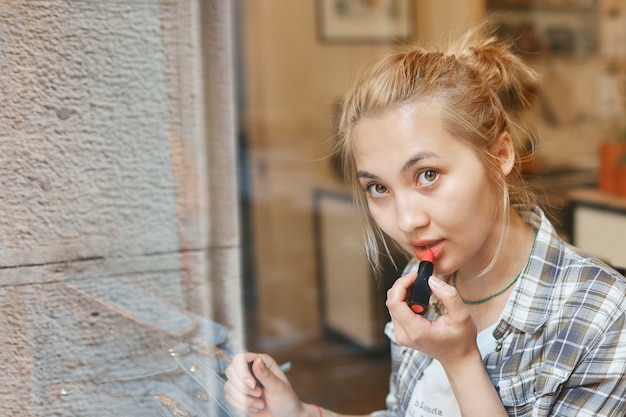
(117, 274)
(310, 297)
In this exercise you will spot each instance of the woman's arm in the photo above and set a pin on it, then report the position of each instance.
(473, 388)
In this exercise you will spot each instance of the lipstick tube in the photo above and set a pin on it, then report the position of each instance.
(420, 294)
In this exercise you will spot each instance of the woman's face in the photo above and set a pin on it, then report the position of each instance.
(427, 189)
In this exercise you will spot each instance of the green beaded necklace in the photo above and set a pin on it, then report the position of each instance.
(492, 296)
(484, 300)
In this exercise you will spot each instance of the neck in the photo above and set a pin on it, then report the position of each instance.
(476, 284)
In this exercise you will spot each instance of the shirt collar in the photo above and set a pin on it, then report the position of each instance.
(529, 304)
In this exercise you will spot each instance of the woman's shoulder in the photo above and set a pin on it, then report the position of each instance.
(564, 285)
(586, 267)
(591, 288)
(573, 275)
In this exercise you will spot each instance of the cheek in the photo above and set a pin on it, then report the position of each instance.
(384, 219)
(464, 222)
(465, 207)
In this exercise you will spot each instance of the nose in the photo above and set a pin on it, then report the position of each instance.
(411, 213)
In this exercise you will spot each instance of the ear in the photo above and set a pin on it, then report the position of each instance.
(504, 151)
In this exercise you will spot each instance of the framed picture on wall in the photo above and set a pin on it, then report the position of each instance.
(364, 20)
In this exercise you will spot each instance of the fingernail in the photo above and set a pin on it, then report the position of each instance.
(436, 282)
(256, 406)
(249, 383)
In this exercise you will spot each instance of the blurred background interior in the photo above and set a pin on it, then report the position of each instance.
(309, 296)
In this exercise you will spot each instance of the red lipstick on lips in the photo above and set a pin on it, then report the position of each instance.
(420, 295)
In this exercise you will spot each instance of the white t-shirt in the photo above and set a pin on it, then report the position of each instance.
(433, 394)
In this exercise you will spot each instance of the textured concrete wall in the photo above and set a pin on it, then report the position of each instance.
(85, 133)
(103, 171)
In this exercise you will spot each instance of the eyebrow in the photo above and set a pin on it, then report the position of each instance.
(417, 158)
(365, 174)
(406, 167)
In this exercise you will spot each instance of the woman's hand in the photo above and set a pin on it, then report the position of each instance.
(450, 339)
(273, 398)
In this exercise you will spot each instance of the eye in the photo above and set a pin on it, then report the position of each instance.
(376, 190)
(427, 177)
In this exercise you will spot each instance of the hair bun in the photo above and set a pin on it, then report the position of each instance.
(500, 68)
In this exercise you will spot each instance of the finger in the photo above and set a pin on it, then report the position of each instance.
(406, 281)
(267, 371)
(400, 289)
(240, 374)
(410, 329)
(449, 297)
(235, 383)
(240, 401)
(402, 315)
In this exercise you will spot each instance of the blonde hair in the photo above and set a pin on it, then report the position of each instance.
(479, 85)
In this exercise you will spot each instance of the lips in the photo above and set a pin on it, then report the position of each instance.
(420, 247)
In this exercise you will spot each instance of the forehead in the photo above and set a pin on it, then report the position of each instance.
(408, 127)
(409, 136)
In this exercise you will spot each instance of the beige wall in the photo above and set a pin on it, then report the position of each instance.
(292, 81)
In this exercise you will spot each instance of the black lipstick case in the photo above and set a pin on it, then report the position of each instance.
(420, 294)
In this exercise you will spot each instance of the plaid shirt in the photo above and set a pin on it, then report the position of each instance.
(560, 343)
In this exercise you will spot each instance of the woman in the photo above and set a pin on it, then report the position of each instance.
(520, 323)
